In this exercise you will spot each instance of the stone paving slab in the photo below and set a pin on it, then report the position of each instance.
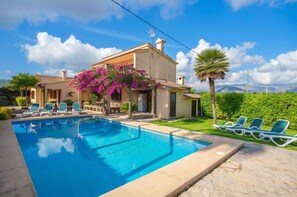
(14, 176)
(255, 170)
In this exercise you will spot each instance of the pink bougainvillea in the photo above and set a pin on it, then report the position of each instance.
(111, 78)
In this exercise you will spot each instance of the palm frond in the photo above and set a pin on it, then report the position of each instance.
(211, 63)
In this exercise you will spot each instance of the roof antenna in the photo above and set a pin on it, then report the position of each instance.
(151, 34)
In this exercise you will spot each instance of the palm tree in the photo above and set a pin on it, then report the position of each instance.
(211, 64)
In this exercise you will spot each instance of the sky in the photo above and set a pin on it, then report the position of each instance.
(259, 37)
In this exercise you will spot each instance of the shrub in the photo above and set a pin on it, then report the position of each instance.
(53, 101)
(8, 111)
(21, 101)
(86, 103)
(3, 115)
(125, 107)
(69, 101)
(270, 107)
(229, 104)
(94, 98)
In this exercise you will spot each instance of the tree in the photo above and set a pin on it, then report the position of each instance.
(211, 64)
(230, 103)
(23, 81)
(193, 91)
(112, 78)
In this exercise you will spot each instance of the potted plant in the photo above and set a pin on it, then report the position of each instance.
(54, 102)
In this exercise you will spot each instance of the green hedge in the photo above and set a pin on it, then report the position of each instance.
(270, 107)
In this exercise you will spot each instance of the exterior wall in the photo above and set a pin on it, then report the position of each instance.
(85, 95)
(64, 90)
(125, 95)
(161, 67)
(33, 100)
(162, 103)
(183, 106)
(38, 96)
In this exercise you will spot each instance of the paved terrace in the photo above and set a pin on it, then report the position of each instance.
(256, 170)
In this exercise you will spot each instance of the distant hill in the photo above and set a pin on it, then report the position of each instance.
(3, 82)
(230, 89)
(292, 89)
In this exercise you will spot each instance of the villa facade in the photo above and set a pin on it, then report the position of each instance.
(171, 99)
(54, 88)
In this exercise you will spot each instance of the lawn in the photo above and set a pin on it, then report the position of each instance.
(205, 126)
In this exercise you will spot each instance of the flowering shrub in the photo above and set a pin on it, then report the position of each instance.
(112, 78)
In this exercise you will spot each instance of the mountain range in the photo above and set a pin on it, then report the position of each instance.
(242, 88)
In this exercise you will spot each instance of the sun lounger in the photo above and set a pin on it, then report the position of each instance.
(76, 108)
(62, 108)
(256, 124)
(48, 109)
(286, 139)
(278, 128)
(239, 123)
(34, 110)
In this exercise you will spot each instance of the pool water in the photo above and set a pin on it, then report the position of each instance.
(91, 156)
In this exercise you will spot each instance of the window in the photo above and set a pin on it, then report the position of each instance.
(116, 96)
(32, 94)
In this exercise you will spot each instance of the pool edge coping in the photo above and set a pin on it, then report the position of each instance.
(15, 178)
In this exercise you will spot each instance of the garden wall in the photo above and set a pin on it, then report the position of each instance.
(270, 107)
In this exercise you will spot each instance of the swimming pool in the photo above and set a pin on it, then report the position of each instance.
(91, 156)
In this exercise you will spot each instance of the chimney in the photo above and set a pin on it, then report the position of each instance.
(64, 75)
(160, 44)
(181, 79)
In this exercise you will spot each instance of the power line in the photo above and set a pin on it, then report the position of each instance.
(156, 28)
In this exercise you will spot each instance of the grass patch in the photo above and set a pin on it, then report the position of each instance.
(205, 126)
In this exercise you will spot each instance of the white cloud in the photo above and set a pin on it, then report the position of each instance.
(282, 69)
(50, 146)
(35, 11)
(238, 4)
(71, 54)
(237, 57)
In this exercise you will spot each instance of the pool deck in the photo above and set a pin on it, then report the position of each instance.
(15, 179)
(257, 168)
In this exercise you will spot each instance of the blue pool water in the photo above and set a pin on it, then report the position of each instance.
(91, 156)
